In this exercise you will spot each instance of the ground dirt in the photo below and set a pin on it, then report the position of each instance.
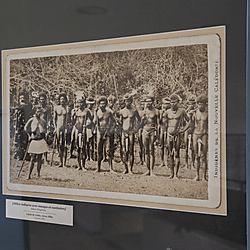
(71, 177)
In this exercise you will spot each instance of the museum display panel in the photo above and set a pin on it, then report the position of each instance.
(106, 224)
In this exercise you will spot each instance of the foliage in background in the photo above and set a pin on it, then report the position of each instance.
(159, 71)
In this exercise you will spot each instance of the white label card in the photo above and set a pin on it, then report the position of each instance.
(40, 212)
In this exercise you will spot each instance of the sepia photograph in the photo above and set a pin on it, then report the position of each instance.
(130, 119)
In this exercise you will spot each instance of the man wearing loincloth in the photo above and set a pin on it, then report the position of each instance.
(115, 109)
(200, 138)
(176, 117)
(46, 110)
(83, 119)
(36, 129)
(163, 130)
(110, 106)
(139, 134)
(188, 135)
(60, 123)
(91, 131)
(129, 119)
(45, 114)
(105, 123)
(150, 121)
(73, 121)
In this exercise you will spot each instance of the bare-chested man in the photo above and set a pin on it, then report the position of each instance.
(83, 119)
(79, 94)
(163, 129)
(110, 106)
(91, 131)
(201, 135)
(46, 115)
(60, 122)
(73, 121)
(150, 121)
(46, 110)
(141, 147)
(34, 100)
(129, 119)
(188, 135)
(115, 109)
(105, 122)
(111, 101)
(175, 117)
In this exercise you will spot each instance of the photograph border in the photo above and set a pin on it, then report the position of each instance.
(218, 205)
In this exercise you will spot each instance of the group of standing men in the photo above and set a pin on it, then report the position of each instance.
(96, 124)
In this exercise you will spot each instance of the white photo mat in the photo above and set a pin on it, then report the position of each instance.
(214, 39)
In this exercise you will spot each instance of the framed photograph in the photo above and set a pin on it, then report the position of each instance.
(137, 121)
